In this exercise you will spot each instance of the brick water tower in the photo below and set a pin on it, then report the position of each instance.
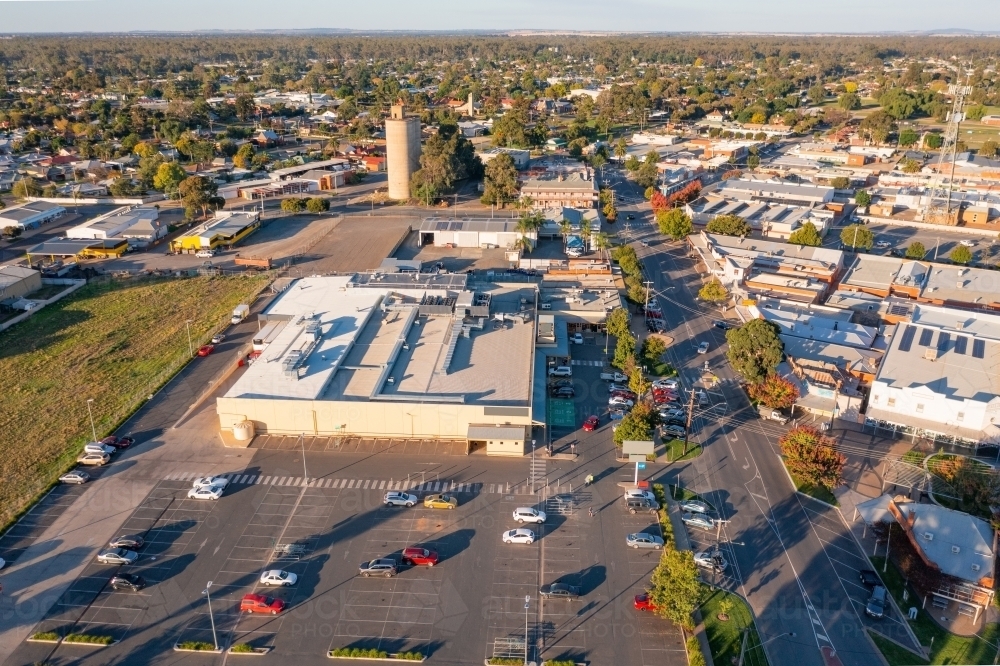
(402, 151)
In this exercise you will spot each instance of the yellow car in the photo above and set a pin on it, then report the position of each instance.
(440, 502)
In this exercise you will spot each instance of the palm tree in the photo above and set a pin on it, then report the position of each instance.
(585, 232)
(523, 243)
(602, 242)
(564, 229)
(621, 149)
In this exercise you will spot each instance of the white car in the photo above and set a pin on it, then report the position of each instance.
(206, 493)
(968, 243)
(641, 494)
(204, 254)
(520, 535)
(618, 401)
(666, 384)
(576, 338)
(528, 515)
(97, 459)
(77, 476)
(278, 577)
(218, 337)
(695, 506)
(396, 498)
(117, 556)
(703, 348)
(207, 481)
(97, 447)
(883, 244)
(712, 560)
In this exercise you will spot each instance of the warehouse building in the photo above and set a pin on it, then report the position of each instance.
(114, 224)
(482, 233)
(17, 281)
(30, 215)
(224, 230)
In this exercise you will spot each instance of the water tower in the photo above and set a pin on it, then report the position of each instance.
(402, 151)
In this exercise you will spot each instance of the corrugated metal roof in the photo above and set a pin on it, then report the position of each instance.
(496, 432)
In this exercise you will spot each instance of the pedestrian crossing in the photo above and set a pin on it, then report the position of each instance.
(411, 485)
(596, 364)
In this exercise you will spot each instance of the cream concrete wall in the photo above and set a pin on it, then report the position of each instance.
(402, 148)
(503, 447)
(375, 419)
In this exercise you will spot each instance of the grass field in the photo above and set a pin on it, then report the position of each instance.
(675, 450)
(946, 648)
(725, 638)
(115, 342)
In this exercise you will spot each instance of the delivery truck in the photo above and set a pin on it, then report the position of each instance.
(240, 313)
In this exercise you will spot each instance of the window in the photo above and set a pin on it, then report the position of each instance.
(920, 408)
(960, 416)
(874, 399)
(891, 402)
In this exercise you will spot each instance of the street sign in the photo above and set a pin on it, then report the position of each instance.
(637, 457)
(641, 465)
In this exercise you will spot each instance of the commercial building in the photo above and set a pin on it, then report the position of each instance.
(576, 190)
(521, 158)
(402, 148)
(773, 191)
(224, 230)
(16, 281)
(115, 223)
(773, 220)
(395, 355)
(483, 233)
(30, 215)
(288, 173)
(941, 377)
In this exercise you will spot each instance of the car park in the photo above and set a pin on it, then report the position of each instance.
(699, 520)
(636, 504)
(415, 556)
(218, 337)
(666, 384)
(576, 338)
(383, 566)
(869, 578)
(132, 541)
(278, 577)
(206, 493)
(440, 501)
(642, 602)
(591, 423)
(703, 348)
(641, 494)
(559, 591)
(397, 498)
(258, 603)
(118, 442)
(519, 535)
(97, 447)
(674, 430)
(117, 556)
(644, 540)
(205, 350)
(206, 481)
(131, 582)
(526, 514)
(96, 459)
(77, 476)
(712, 560)
(876, 602)
(695, 506)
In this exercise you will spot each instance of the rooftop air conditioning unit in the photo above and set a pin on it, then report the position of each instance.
(956, 549)
(975, 567)
(931, 354)
(928, 536)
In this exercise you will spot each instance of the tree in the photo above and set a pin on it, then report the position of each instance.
(811, 457)
(961, 255)
(753, 161)
(817, 94)
(988, 149)
(807, 234)
(624, 351)
(244, 156)
(675, 587)
(909, 165)
(616, 323)
(658, 202)
(755, 349)
(121, 187)
(857, 235)
(510, 129)
(638, 382)
(713, 292)
(638, 424)
(245, 107)
(728, 225)
(674, 223)
(877, 126)
(168, 177)
(933, 140)
(908, 137)
(198, 192)
(318, 205)
(26, 187)
(841, 182)
(849, 102)
(862, 198)
(500, 181)
(774, 391)
(916, 250)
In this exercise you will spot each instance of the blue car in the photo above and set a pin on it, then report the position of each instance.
(617, 414)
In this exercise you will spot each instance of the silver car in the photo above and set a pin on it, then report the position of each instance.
(396, 498)
(644, 540)
(699, 520)
(695, 506)
(117, 556)
(528, 515)
(77, 476)
(712, 560)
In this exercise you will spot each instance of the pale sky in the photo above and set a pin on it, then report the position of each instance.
(599, 15)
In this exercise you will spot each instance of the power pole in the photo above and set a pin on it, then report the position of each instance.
(687, 427)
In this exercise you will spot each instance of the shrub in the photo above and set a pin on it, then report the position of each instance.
(410, 656)
(45, 636)
(360, 653)
(504, 661)
(695, 657)
(89, 638)
(561, 662)
(242, 648)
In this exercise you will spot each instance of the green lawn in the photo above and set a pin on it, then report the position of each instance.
(822, 493)
(914, 457)
(895, 655)
(114, 342)
(725, 638)
(946, 648)
(675, 450)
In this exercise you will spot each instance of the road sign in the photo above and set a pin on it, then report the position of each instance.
(641, 465)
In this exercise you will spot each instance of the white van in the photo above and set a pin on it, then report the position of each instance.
(204, 254)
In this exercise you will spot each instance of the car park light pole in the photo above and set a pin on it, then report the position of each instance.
(527, 602)
(211, 617)
(93, 430)
(187, 325)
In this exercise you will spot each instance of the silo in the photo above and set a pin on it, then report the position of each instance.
(402, 149)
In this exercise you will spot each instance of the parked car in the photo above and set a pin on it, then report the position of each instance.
(674, 422)
(699, 520)
(564, 392)
(882, 244)
(77, 476)
(624, 393)
(133, 541)
(666, 383)
(204, 254)
(636, 504)
(561, 371)
(131, 582)
(641, 494)
(97, 447)
(666, 400)
(526, 514)
(674, 430)
(618, 401)
(383, 566)
(559, 591)
(205, 350)
(206, 481)
(642, 602)
(519, 535)
(869, 579)
(669, 413)
(117, 556)
(560, 383)
(711, 560)
(695, 506)
(206, 493)
(968, 243)
(644, 540)
(876, 602)
(617, 414)
(576, 338)
(96, 459)
(703, 348)
(278, 577)
(397, 498)
(630, 216)
(613, 376)
(415, 556)
(614, 386)
(118, 442)
(258, 603)
(440, 502)
(591, 423)
(218, 337)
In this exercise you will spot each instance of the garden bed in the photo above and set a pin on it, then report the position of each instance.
(249, 650)
(725, 637)
(196, 646)
(374, 654)
(92, 640)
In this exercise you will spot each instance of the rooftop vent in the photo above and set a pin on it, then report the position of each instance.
(928, 536)
(960, 284)
(959, 326)
(975, 567)
(956, 549)
(391, 380)
(931, 354)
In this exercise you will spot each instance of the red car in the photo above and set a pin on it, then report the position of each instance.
(643, 603)
(258, 603)
(415, 556)
(205, 350)
(590, 425)
(118, 442)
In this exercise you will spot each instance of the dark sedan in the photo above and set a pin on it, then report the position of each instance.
(559, 591)
(132, 582)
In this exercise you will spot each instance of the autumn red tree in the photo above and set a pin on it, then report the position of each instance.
(811, 457)
(775, 392)
(658, 201)
(684, 195)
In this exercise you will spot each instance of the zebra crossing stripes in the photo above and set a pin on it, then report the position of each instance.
(239, 478)
(597, 364)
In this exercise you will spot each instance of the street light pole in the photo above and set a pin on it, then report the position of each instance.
(211, 616)
(527, 602)
(305, 475)
(187, 325)
(93, 430)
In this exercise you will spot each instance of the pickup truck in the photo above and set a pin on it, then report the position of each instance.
(773, 415)
(613, 377)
